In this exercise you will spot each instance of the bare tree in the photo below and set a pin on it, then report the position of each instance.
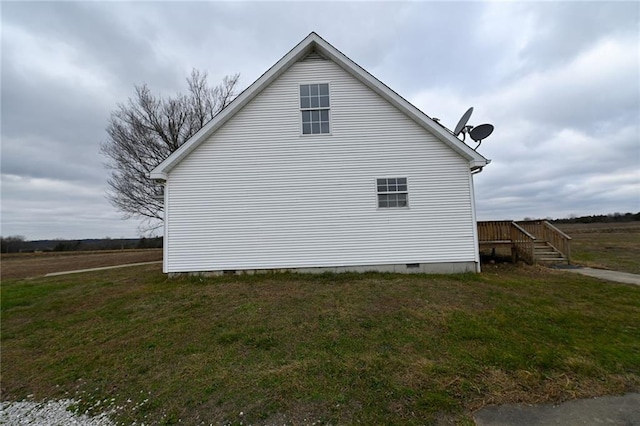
(146, 130)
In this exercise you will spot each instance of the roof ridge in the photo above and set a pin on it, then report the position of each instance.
(311, 41)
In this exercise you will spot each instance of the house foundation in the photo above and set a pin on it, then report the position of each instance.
(401, 268)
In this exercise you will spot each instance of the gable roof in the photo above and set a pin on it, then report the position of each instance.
(314, 42)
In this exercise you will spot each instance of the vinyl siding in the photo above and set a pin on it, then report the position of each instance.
(259, 195)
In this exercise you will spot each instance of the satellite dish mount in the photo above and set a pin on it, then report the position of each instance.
(477, 133)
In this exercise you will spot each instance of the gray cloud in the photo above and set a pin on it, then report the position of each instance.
(102, 36)
(560, 81)
(564, 30)
(45, 208)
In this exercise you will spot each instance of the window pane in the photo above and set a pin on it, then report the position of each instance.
(324, 127)
(315, 115)
(305, 103)
(314, 89)
(324, 115)
(306, 116)
(306, 129)
(324, 89)
(304, 90)
(396, 195)
(324, 101)
(315, 128)
(315, 103)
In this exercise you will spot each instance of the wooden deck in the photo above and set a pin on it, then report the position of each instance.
(534, 241)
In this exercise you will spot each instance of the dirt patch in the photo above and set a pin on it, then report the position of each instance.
(26, 265)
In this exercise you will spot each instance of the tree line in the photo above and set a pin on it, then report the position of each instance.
(18, 244)
(601, 218)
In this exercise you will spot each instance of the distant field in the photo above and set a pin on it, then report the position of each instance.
(27, 265)
(605, 245)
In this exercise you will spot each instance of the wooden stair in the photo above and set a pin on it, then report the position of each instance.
(546, 254)
(534, 241)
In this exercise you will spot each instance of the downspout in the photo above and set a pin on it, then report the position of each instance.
(476, 244)
(165, 241)
(475, 171)
(165, 234)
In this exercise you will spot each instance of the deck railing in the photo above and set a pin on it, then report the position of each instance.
(524, 243)
(494, 231)
(545, 231)
(522, 237)
(559, 240)
(508, 232)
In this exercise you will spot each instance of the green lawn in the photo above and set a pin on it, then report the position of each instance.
(338, 349)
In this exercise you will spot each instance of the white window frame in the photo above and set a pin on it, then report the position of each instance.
(386, 184)
(328, 109)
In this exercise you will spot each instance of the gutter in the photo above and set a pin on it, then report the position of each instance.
(157, 177)
(478, 169)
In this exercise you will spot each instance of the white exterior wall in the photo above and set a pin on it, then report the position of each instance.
(259, 195)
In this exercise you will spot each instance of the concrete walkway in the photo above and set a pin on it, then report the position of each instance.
(605, 274)
(607, 410)
(78, 271)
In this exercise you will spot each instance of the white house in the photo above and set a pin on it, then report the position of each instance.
(318, 166)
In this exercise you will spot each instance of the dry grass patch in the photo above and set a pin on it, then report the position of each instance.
(25, 265)
(606, 245)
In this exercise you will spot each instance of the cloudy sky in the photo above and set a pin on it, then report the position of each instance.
(559, 80)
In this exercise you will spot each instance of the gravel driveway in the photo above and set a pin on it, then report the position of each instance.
(49, 413)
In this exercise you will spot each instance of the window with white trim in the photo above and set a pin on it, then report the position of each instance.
(392, 192)
(314, 105)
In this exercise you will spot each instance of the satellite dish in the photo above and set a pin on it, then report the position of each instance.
(463, 121)
(480, 132)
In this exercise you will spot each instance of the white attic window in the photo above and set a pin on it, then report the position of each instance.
(315, 107)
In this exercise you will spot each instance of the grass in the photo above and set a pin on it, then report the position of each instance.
(336, 349)
(606, 245)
